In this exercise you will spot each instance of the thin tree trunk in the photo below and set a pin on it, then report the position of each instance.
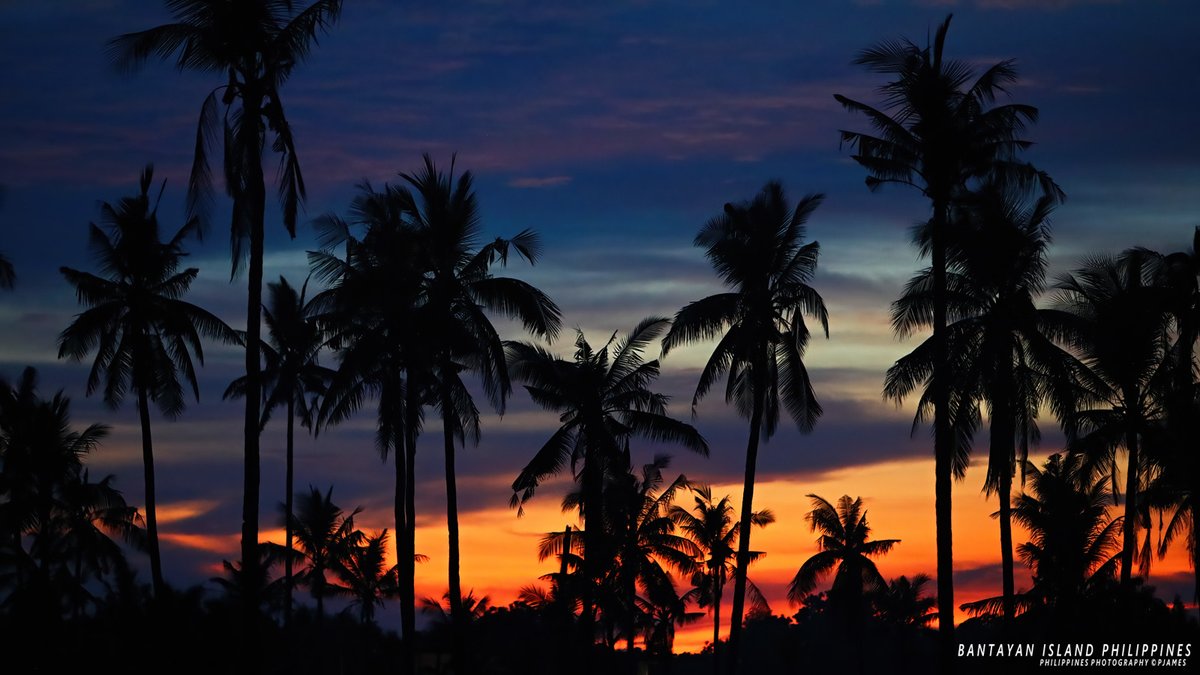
(1003, 442)
(405, 529)
(252, 206)
(457, 616)
(743, 555)
(151, 503)
(943, 447)
(593, 514)
(287, 521)
(716, 643)
(1131, 498)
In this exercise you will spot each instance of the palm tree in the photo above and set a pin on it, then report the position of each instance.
(256, 44)
(459, 291)
(646, 545)
(1073, 540)
(367, 578)
(758, 250)
(291, 373)
(144, 335)
(904, 606)
(604, 400)
(326, 536)
(1004, 356)
(939, 132)
(40, 460)
(87, 518)
(904, 603)
(1108, 316)
(371, 314)
(1175, 278)
(710, 526)
(843, 545)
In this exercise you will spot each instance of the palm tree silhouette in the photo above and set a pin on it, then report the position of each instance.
(366, 576)
(269, 39)
(710, 526)
(290, 374)
(372, 316)
(758, 250)
(937, 133)
(144, 335)
(42, 459)
(1073, 542)
(1175, 278)
(1004, 354)
(325, 535)
(603, 399)
(646, 545)
(843, 545)
(87, 518)
(1109, 317)
(459, 289)
(904, 603)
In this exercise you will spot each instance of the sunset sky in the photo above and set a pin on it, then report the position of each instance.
(615, 129)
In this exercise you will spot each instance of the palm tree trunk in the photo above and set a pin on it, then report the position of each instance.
(1006, 546)
(1131, 497)
(743, 555)
(943, 445)
(252, 206)
(457, 616)
(287, 521)
(593, 530)
(716, 642)
(151, 504)
(406, 529)
(1003, 456)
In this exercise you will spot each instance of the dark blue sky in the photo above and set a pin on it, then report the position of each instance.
(613, 128)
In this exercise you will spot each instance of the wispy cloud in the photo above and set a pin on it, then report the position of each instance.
(539, 182)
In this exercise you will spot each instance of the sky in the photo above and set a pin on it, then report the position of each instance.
(615, 130)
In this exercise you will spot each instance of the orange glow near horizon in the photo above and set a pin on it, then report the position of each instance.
(499, 550)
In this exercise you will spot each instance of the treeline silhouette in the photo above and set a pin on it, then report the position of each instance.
(405, 290)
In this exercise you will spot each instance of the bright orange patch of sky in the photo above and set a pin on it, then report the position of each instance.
(499, 550)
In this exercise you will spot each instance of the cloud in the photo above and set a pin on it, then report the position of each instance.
(545, 182)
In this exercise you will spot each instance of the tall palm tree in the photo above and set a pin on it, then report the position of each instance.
(432, 292)
(326, 536)
(1004, 354)
(758, 250)
(144, 334)
(291, 374)
(460, 289)
(1175, 278)
(842, 548)
(371, 315)
(1109, 317)
(256, 44)
(939, 132)
(711, 527)
(604, 400)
